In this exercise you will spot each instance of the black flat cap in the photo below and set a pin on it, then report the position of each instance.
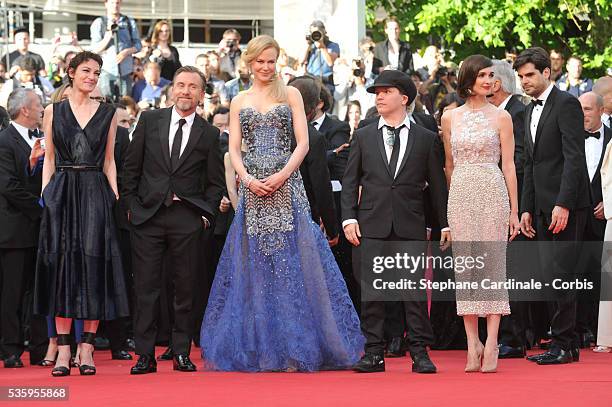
(395, 79)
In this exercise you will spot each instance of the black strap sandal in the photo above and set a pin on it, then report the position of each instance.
(60, 371)
(89, 338)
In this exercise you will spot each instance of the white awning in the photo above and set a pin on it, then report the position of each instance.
(198, 9)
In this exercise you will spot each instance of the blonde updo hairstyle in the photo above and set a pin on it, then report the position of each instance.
(278, 89)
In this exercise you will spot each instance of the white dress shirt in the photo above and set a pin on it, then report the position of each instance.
(318, 121)
(174, 124)
(403, 139)
(503, 104)
(605, 119)
(24, 132)
(537, 111)
(593, 149)
(393, 57)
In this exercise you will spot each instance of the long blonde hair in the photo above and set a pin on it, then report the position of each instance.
(278, 89)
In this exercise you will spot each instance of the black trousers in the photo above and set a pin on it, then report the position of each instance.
(17, 270)
(342, 254)
(562, 259)
(373, 316)
(175, 232)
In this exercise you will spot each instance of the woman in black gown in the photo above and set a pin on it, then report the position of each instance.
(79, 272)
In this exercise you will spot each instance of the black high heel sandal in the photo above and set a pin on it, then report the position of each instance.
(88, 370)
(60, 371)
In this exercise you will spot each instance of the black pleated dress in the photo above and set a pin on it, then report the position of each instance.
(79, 273)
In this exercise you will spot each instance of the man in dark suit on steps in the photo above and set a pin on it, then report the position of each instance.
(173, 182)
(390, 162)
(20, 183)
(555, 202)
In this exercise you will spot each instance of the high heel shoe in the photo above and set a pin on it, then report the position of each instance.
(473, 364)
(88, 370)
(489, 364)
(60, 371)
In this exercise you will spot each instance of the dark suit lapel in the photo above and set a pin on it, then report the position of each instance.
(20, 141)
(194, 136)
(607, 137)
(548, 106)
(409, 144)
(381, 149)
(528, 113)
(403, 50)
(164, 130)
(325, 125)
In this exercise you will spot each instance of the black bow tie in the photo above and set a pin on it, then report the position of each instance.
(33, 134)
(588, 134)
(537, 102)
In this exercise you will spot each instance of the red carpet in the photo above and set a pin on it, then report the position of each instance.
(518, 383)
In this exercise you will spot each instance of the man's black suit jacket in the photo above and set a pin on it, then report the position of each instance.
(555, 165)
(317, 184)
(336, 133)
(516, 108)
(598, 226)
(19, 193)
(198, 179)
(381, 57)
(388, 203)
(122, 142)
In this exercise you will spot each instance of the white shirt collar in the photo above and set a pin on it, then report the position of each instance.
(503, 104)
(21, 129)
(319, 120)
(605, 117)
(382, 122)
(544, 96)
(176, 117)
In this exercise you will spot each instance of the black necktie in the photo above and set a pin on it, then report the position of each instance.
(176, 145)
(537, 102)
(588, 134)
(396, 148)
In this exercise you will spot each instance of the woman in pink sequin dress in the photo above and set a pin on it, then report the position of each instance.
(482, 204)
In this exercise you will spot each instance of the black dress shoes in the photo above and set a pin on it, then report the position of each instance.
(555, 357)
(511, 352)
(167, 355)
(395, 348)
(12, 362)
(182, 363)
(121, 355)
(146, 364)
(575, 354)
(370, 363)
(421, 363)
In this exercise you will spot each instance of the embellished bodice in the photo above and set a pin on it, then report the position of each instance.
(475, 135)
(268, 139)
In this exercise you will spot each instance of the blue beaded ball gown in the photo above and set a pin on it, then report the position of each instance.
(278, 301)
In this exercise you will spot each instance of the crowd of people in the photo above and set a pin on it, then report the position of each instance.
(223, 201)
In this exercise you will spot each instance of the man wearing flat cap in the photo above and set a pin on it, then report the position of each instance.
(392, 160)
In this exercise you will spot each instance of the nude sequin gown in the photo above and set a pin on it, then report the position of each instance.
(478, 208)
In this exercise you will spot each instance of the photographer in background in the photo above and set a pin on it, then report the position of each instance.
(354, 89)
(202, 62)
(162, 50)
(229, 51)
(27, 77)
(241, 82)
(366, 49)
(392, 53)
(320, 55)
(442, 81)
(147, 92)
(115, 38)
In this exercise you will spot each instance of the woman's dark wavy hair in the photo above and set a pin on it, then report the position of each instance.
(81, 58)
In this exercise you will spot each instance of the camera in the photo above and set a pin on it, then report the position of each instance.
(442, 71)
(357, 72)
(314, 36)
(229, 44)
(209, 90)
